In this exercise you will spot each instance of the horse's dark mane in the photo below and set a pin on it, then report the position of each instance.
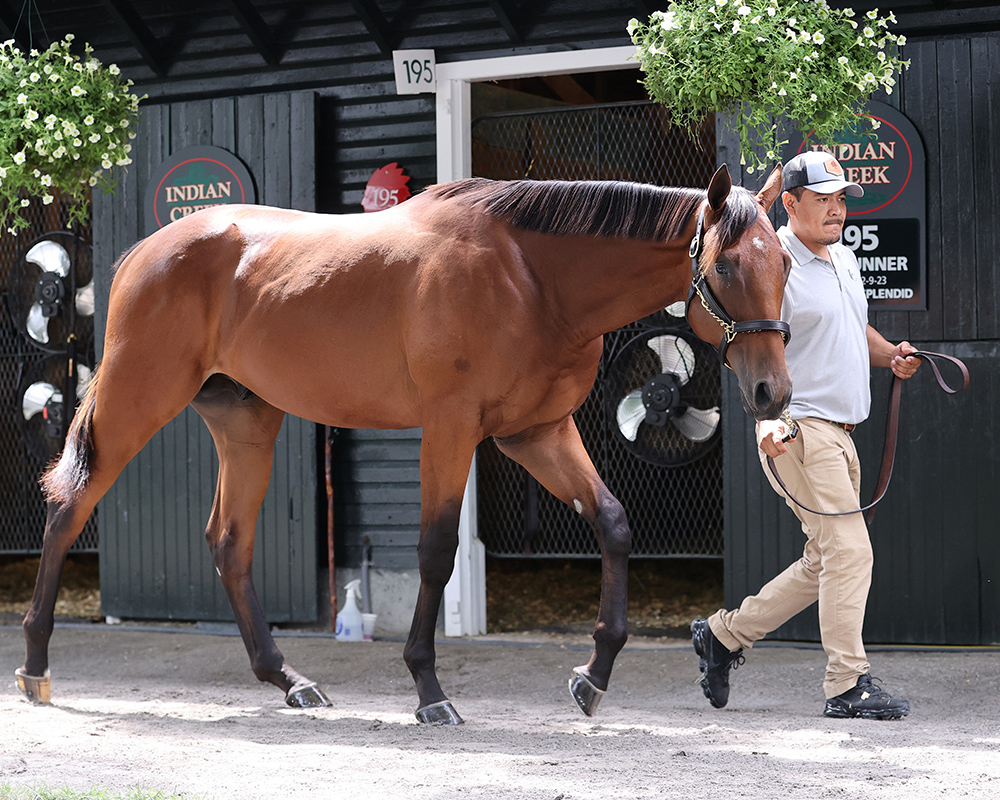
(583, 208)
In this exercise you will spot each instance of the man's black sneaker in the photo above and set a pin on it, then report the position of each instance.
(714, 661)
(867, 700)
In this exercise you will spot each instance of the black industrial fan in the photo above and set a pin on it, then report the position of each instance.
(663, 397)
(50, 292)
(44, 410)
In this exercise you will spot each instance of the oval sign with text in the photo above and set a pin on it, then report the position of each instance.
(192, 179)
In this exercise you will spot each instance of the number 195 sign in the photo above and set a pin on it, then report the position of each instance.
(415, 71)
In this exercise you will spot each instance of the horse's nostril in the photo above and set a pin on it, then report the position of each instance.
(762, 395)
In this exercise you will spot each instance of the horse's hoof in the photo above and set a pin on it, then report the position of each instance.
(310, 696)
(442, 713)
(587, 695)
(37, 690)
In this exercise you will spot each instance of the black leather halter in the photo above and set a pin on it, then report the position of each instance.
(701, 288)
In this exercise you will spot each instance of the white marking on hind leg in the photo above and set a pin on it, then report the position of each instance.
(578, 506)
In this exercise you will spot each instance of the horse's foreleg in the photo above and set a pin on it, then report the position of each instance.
(445, 458)
(244, 430)
(557, 459)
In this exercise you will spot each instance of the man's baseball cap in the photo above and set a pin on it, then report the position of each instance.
(818, 171)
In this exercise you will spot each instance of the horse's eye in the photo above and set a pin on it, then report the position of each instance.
(721, 268)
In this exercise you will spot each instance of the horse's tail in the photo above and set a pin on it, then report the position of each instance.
(66, 478)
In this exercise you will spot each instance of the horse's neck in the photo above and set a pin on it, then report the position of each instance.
(598, 285)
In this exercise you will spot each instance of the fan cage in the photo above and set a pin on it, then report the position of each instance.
(22, 508)
(673, 512)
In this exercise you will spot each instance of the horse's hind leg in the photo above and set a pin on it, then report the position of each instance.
(557, 458)
(108, 429)
(244, 428)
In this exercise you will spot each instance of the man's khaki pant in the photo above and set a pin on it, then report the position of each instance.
(822, 470)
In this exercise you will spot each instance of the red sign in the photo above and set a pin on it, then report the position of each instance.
(386, 188)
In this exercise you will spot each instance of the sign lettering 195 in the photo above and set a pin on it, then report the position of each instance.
(419, 71)
(414, 70)
(864, 237)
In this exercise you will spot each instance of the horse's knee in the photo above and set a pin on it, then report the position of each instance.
(437, 547)
(612, 527)
(226, 548)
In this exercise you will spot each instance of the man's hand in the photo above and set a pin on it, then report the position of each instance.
(902, 366)
(770, 433)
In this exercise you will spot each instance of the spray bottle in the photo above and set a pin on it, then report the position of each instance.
(349, 620)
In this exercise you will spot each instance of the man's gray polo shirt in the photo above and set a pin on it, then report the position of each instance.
(828, 359)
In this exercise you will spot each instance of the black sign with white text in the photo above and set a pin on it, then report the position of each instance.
(888, 253)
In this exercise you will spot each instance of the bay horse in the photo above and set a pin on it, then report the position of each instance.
(475, 309)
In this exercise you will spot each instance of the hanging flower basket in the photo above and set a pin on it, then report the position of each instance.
(758, 62)
(65, 123)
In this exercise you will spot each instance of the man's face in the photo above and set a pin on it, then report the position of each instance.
(817, 218)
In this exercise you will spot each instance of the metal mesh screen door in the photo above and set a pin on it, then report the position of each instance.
(42, 270)
(672, 510)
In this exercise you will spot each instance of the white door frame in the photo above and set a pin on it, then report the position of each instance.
(465, 594)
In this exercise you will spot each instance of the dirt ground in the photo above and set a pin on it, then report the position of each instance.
(181, 712)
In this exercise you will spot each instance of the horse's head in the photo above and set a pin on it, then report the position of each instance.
(740, 269)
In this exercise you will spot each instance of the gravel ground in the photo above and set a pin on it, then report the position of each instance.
(181, 712)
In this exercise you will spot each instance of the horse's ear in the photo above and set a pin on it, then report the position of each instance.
(718, 188)
(771, 190)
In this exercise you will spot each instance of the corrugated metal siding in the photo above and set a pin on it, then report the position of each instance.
(154, 562)
(937, 556)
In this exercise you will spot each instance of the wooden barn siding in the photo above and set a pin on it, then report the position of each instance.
(377, 495)
(937, 555)
(154, 561)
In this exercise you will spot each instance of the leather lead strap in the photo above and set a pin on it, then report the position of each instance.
(891, 435)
